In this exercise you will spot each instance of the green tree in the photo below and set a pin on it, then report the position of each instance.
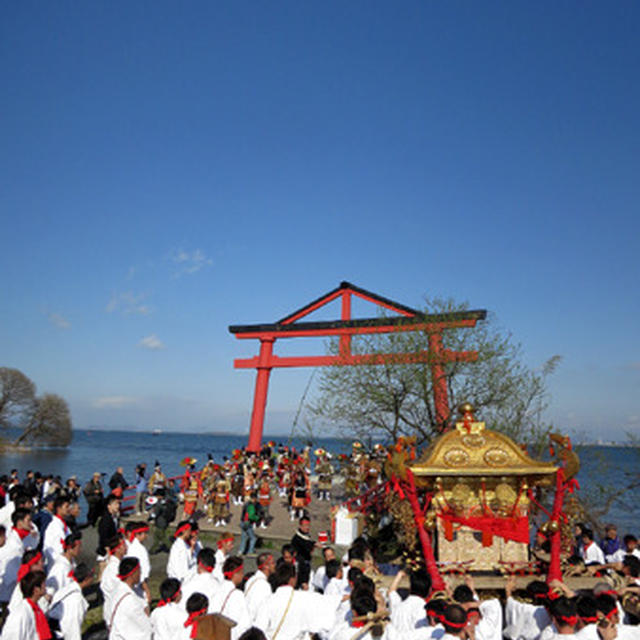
(50, 422)
(17, 397)
(396, 399)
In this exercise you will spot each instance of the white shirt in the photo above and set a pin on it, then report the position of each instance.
(137, 550)
(524, 621)
(620, 555)
(220, 558)
(5, 514)
(490, 625)
(592, 554)
(69, 607)
(167, 621)
(204, 583)
(10, 561)
(181, 560)
(307, 612)
(257, 591)
(20, 624)
(108, 585)
(54, 536)
(129, 620)
(230, 602)
(407, 614)
(58, 575)
(319, 580)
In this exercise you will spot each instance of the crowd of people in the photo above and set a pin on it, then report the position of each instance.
(44, 585)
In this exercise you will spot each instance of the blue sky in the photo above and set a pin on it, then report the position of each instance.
(171, 169)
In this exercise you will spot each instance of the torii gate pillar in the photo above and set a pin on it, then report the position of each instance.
(260, 395)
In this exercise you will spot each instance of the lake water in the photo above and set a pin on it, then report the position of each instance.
(103, 451)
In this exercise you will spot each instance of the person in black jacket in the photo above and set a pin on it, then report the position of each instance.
(117, 480)
(108, 525)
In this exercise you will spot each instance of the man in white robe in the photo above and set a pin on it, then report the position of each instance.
(257, 589)
(203, 580)
(408, 614)
(525, 621)
(294, 614)
(184, 551)
(56, 532)
(137, 533)
(167, 619)
(362, 605)
(129, 614)
(109, 580)
(58, 575)
(27, 621)
(68, 605)
(229, 600)
(590, 552)
(225, 545)
(12, 551)
(485, 616)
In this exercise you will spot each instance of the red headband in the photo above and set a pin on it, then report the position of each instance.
(124, 576)
(112, 551)
(142, 529)
(228, 574)
(454, 625)
(264, 564)
(611, 613)
(26, 567)
(570, 620)
(221, 542)
(191, 620)
(182, 529)
(205, 567)
(162, 603)
(589, 619)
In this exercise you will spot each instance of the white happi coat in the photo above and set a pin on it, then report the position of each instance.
(217, 570)
(54, 536)
(592, 554)
(307, 612)
(182, 559)
(137, 550)
(319, 579)
(257, 591)
(524, 621)
(108, 584)
(129, 620)
(204, 583)
(167, 621)
(407, 614)
(490, 625)
(229, 601)
(58, 575)
(10, 561)
(20, 624)
(69, 607)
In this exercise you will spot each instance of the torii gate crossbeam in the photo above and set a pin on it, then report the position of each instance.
(410, 320)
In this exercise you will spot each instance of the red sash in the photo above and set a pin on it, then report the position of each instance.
(42, 626)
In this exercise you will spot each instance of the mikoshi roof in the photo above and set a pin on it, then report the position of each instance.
(471, 450)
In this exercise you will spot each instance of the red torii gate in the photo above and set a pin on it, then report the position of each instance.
(345, 328)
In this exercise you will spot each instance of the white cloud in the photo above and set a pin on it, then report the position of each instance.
(189, 262)
(59, 321)
(129, 303)
(634, 366)
(115, 402)
(152, 342)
